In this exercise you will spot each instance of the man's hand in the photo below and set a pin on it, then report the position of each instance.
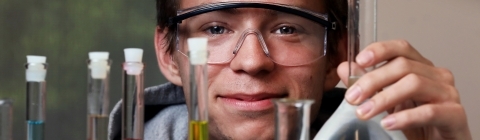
(421, 98)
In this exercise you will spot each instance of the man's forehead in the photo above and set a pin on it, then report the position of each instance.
(313, 5)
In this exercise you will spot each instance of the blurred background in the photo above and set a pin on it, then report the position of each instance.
(65, 31)
(447, 32)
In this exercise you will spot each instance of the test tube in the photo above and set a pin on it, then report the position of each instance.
(198, 107)
(6, 112)
(36, 71)
(292, 119)
(132, 100)
(97, 98)
(362, 31)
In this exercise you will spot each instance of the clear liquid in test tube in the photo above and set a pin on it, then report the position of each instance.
(133, 95)
(97, 95)
(36, 71)
(6, 119)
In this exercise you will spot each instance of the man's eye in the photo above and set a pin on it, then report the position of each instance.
(285, 30)
(216, 30)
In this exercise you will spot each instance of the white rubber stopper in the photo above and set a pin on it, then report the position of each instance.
(99, 64)
(133, 69)
(198, 50)
(36, 71)
(5, 102)
(36, 59)
(98, 55)
(133, 54)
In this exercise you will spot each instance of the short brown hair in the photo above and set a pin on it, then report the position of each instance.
(337, 12)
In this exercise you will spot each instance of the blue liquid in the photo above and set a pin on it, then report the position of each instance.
(35, 130)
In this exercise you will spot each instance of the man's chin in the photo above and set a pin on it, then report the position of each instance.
(235, 132)
(253, 115)
(244, 125)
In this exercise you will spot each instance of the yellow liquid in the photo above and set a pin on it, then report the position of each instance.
(198, 130)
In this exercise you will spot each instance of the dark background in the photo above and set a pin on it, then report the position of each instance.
(65, 31)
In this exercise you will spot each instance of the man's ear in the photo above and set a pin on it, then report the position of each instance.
(167, 65)
(331, 77)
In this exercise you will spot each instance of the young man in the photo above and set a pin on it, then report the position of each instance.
(283, 48)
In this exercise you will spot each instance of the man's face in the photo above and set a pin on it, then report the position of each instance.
(240, 91)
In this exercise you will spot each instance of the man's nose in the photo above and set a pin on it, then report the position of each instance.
(251, 58)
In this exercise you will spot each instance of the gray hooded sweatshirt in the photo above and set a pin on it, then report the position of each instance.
(166, 114)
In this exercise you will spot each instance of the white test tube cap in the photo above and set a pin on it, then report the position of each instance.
(98, 55)
(36, 59)
(198, 50)
(133, 54)
(99, 69)
(36, 73)
(197, 44)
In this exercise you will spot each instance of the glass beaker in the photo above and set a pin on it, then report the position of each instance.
(292, 119)
(344, 125)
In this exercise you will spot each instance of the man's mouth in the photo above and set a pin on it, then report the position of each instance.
(250, 102)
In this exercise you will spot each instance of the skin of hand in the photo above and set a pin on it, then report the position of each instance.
(422, 99)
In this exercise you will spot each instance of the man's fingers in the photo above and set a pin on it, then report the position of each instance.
(441, 115)
(390, 73)
(411, 87)
(386, 50)
(343, 71)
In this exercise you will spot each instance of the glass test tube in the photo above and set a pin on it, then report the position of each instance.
(133, 93)
(292, 119)
(97, 98)
(198, 107)
(36, 70)
(6, 119)
(362, 31)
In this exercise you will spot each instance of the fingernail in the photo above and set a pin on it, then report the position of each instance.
(388, 122)
(365, 108)
(353, 93)
(365, 57)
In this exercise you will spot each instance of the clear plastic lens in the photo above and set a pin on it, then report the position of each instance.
(285, 38)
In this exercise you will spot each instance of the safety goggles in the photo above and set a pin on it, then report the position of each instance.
(288, 35)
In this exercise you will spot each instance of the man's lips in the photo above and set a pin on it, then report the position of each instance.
(250, 102)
